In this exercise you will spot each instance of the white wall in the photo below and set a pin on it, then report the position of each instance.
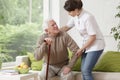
(55, 12)
(51, 9)
(46, 9)
(103, 10)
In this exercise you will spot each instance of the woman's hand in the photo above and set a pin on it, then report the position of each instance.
(79, 52)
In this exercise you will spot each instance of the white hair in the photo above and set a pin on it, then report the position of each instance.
(45, 23)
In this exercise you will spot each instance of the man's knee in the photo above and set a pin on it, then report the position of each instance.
(68, 76)
(42, 75)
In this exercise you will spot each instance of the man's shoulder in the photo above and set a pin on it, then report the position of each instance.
(43, 35)
(63, 33)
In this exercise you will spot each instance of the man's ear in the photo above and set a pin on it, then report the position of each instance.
(46, 30)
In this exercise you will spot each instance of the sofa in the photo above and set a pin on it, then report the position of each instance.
(107, 67)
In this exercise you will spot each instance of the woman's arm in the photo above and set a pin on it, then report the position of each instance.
(65, 28)
(89, 42)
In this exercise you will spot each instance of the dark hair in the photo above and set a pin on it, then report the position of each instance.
(71, 5)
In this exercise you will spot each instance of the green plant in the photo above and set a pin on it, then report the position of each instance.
(115, 31)
(16, 12)
(17, 40)
(0, 64)
(5, 57)
(4, 41)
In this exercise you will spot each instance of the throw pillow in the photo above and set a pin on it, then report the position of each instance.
(35, 65)
(110, 62)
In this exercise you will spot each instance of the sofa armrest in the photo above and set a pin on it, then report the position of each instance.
(20, 59)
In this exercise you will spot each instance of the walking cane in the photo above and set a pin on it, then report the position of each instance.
(48, 62)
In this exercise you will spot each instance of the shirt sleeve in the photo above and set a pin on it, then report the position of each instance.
(71, 23)
(40, 49)
(91, 25)
(73, 47)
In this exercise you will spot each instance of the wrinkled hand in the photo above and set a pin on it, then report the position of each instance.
(66, 70)
(79, 52)
(48, 41)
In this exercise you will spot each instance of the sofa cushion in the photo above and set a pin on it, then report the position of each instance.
(110, 62)
(35, 65)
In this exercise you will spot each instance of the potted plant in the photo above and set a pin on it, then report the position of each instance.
(115, 31)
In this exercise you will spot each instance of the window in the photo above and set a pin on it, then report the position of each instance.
(20, 26)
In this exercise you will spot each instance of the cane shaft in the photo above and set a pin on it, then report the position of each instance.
(48, 62)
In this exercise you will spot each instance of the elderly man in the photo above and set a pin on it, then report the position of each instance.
(59, 63)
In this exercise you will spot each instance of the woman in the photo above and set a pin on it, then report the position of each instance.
(93, 42)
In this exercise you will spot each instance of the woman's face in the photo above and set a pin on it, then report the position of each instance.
(74, 13)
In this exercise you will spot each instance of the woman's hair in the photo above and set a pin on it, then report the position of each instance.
(71, 5)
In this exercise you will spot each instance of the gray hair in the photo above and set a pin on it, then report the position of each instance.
(45, 23)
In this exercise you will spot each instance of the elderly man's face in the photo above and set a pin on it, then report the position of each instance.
(52, 27)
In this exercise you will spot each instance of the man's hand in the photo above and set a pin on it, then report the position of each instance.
(66, 70)
(48, 41)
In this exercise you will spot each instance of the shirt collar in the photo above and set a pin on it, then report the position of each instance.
(82, 12)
